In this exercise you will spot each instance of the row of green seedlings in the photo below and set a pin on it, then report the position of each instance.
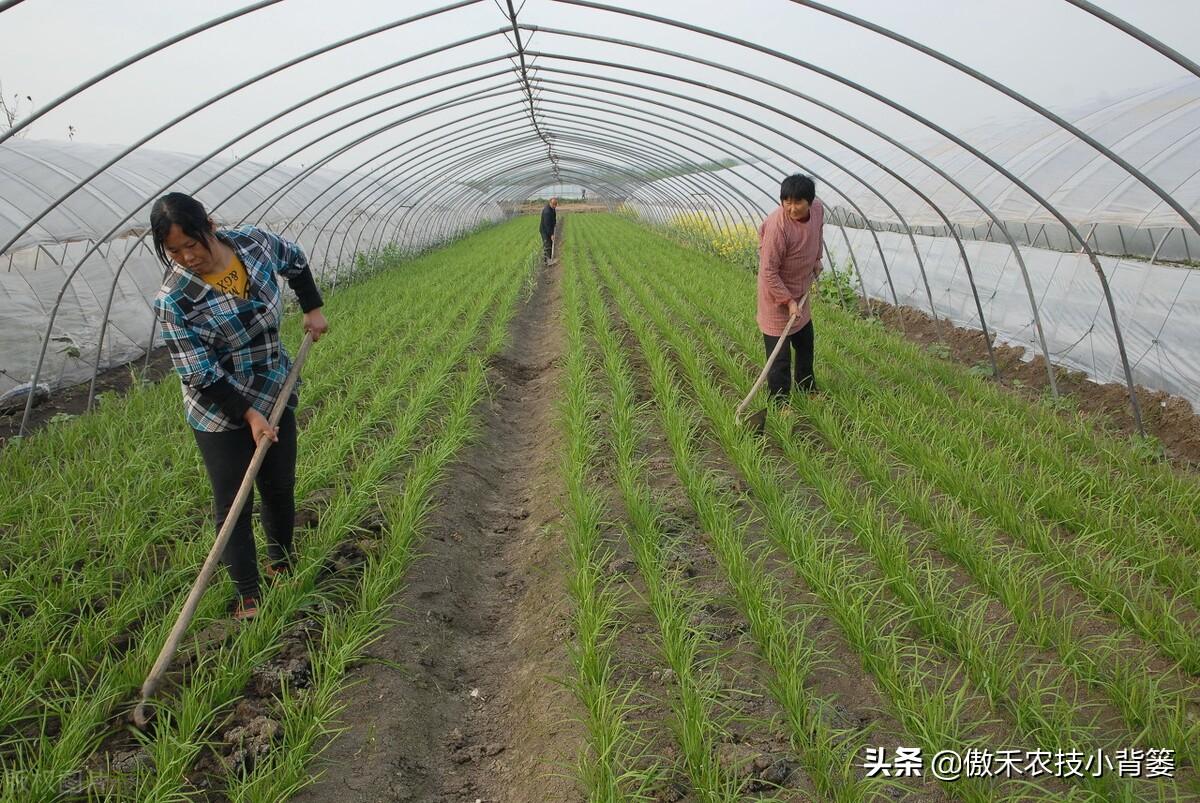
(1096, 496)
(930, 704)
(907, 583)
(45, 646)
(349, 628)
(847, 510)
(88, 636)
(58, 641)
(862, 425)
(827, 753)
(1095, 506)
(954, 619)
(81, 708)
(687, 649)
(1108, 575)
(218, 680)
(1099, 463)
(613, 765)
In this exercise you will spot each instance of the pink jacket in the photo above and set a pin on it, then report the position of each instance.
(789, 261)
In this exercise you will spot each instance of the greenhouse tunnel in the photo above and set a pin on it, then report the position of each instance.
(1068, 230)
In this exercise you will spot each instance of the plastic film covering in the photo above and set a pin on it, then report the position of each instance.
(33, 273)
(1157, 130)
(1158, 305)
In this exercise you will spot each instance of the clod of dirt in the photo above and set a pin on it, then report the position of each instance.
(737, 760)
(251, 742)
(268, 680)
(621, 567)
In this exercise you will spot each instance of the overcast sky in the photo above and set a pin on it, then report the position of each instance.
(1057, 54)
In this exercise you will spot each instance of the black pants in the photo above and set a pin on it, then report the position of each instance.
(227, 455)
(779, 377)
(547, 246)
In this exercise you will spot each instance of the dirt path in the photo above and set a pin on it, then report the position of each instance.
(462, 700)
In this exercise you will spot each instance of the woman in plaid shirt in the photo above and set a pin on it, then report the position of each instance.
(219, 308)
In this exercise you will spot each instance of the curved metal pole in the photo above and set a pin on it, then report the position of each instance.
(112, 292)
(179, 37)
(475, 94)
(371, 177)
(664, 163)
(538, 173)
(319, 163)
(120, 268)
(1140, 35)
(1053, 210)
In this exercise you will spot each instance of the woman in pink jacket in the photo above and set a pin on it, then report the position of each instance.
(789, 262)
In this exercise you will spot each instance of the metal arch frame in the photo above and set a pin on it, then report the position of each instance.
(842, 193)
(230, 91)
(1067, 225)
(130, 149)
(346, 147)
(1072, 230)
(384, 223)
(249, 155)
(882, 166)
(726, 147)
(593, 179)
(317, 165)
(1024, 100)
(669, 199)
(304, 174)
(436, 177)
(696, 133)
(348, 105)
(1140, 35)
(37, 114)
(866, 221)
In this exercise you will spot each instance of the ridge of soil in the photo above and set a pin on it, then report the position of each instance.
(459, 700)
(1168, 418)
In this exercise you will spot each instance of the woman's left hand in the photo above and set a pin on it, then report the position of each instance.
(315, 323)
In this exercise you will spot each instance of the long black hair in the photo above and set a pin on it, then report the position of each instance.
(183, 211)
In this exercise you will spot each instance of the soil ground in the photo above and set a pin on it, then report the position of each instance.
(462, 699)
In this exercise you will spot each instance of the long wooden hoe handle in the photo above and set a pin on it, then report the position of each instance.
(741, 408)
(155, 678)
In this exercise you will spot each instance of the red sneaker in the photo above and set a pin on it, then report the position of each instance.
(245, 608)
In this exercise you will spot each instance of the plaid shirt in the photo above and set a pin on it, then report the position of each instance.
(214, 335)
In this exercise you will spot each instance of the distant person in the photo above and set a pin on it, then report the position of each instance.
(219, 308)
(789, 262)
(549, 220)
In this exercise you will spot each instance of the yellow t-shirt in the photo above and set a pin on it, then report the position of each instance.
(233, 280)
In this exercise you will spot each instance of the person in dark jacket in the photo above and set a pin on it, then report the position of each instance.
(219, 309)
(549, 219)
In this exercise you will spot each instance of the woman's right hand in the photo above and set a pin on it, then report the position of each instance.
(260, 426)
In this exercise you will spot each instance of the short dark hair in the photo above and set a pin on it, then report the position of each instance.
(182, 210)
(797, 187)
